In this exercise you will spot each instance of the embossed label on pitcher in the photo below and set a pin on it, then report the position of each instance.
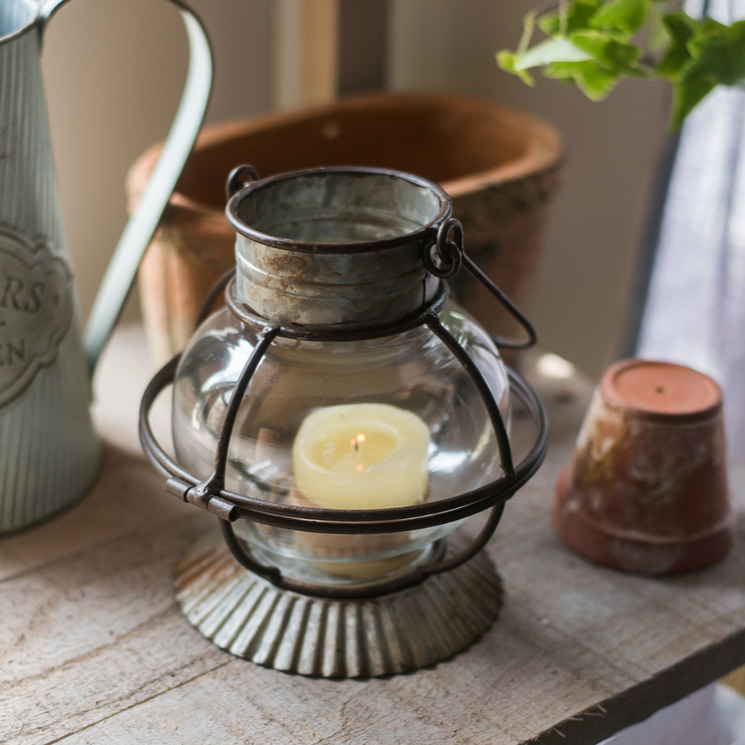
(35, 310)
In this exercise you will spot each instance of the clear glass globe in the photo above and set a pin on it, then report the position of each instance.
(352, 425)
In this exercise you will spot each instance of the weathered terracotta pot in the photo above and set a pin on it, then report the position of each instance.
(499, 166)
(647, 490)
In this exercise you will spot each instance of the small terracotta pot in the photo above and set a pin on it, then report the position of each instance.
(499, 166)
(647, 490)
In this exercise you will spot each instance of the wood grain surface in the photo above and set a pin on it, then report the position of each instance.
(94, 650)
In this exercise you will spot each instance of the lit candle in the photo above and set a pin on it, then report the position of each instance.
(361, 456)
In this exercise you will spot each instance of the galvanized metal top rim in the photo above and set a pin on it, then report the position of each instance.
(34, 18)
(427, 230)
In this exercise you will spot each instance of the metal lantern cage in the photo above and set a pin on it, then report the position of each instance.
(443, 256)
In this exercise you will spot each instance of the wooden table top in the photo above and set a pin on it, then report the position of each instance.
(94, 649)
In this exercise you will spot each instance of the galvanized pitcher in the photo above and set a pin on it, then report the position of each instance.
(49, 453)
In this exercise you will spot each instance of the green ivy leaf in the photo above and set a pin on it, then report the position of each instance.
(681, 28)
(551, 50)
(657, 36)
(595, 81)
(688, 94)
(625, 15)
(606, 49)
(591, 46)
(507, 61)
(719, 52)
(717, 57)
(578, 17)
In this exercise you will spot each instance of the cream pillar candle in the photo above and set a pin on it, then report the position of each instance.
(361, 456)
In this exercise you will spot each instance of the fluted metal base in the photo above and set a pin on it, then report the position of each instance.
(249, 617)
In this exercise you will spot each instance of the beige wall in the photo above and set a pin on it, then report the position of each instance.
(612, 151)
(114, 69)
(113, 72)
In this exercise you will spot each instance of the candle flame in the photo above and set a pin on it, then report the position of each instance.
(355, 443)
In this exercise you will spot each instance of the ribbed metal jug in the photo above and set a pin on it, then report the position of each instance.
(49, 453)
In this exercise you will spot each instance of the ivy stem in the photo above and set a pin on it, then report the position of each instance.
(528, 27)
(563, 17)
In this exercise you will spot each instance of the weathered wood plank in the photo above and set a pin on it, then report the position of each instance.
(242, 703)
(127, 490)
(94, 650)
(80, 644)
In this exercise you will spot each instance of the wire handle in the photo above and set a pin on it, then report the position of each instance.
(446, 256)
(239, 177)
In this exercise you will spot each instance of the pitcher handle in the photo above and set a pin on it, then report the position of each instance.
(122, 269)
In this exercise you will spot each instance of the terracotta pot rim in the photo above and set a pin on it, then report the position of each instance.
(543, 150)
(690, 557)
(693, 556)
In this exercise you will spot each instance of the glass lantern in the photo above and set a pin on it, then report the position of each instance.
(340, 414)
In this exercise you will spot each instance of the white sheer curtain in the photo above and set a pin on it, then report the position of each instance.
(695, 309)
